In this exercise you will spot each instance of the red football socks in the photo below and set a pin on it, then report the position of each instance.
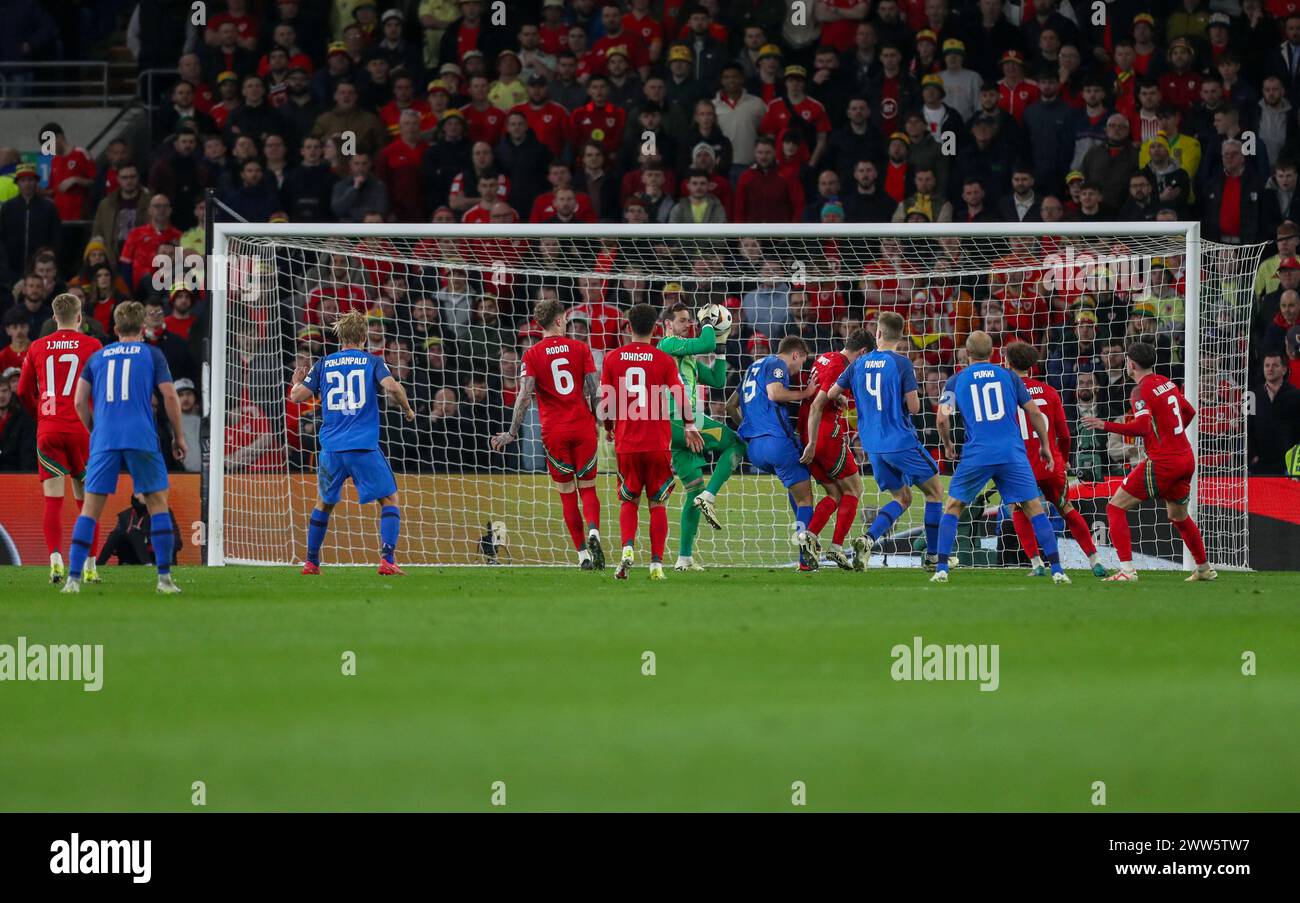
(848, 508)
(52, 524)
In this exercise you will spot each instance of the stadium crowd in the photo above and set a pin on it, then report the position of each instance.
(562, 112)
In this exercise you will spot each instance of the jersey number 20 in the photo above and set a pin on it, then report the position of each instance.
(346, 392)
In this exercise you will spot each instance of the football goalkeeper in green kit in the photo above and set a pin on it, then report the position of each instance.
(719, 438)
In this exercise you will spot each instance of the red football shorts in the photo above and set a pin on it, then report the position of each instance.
(1055, 486)
(649, 472)
(834, 459)
(62, 454)
(571, 459)
(1168, 480)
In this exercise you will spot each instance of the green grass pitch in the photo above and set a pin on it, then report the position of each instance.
(466, 677)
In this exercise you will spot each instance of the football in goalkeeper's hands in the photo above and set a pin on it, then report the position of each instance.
(719, 318)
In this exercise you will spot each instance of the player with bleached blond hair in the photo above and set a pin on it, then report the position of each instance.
(349, 383)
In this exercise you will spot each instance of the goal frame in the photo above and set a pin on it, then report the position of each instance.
(214, 369)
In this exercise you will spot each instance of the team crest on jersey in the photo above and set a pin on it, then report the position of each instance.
(547, 118)
(778, 373)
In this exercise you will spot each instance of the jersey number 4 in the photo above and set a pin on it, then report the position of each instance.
(871, 382)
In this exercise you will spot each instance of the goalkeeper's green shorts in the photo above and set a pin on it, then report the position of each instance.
(690, 466)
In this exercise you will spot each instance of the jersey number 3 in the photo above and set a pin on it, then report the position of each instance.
(1178, 413)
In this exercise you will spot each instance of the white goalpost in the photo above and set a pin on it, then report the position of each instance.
(450, 310)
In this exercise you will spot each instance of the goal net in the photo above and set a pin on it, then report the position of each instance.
(450, 312)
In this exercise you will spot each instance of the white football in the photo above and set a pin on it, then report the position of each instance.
(719, 317)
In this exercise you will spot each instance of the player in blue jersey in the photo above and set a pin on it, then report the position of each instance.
(771, 438)
(349, 382)
(986, 396)
(115, 401)
(883, 384)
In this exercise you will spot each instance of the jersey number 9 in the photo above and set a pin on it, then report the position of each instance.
(635, 379)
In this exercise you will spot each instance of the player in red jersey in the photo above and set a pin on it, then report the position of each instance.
(830, 459)
(638, 417)
(1160, 418)
(1022, 357)
(47, 386)
(562, 372)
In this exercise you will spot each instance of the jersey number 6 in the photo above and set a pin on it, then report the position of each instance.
(562, 378)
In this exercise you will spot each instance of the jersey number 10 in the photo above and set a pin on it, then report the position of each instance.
(986, 402)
